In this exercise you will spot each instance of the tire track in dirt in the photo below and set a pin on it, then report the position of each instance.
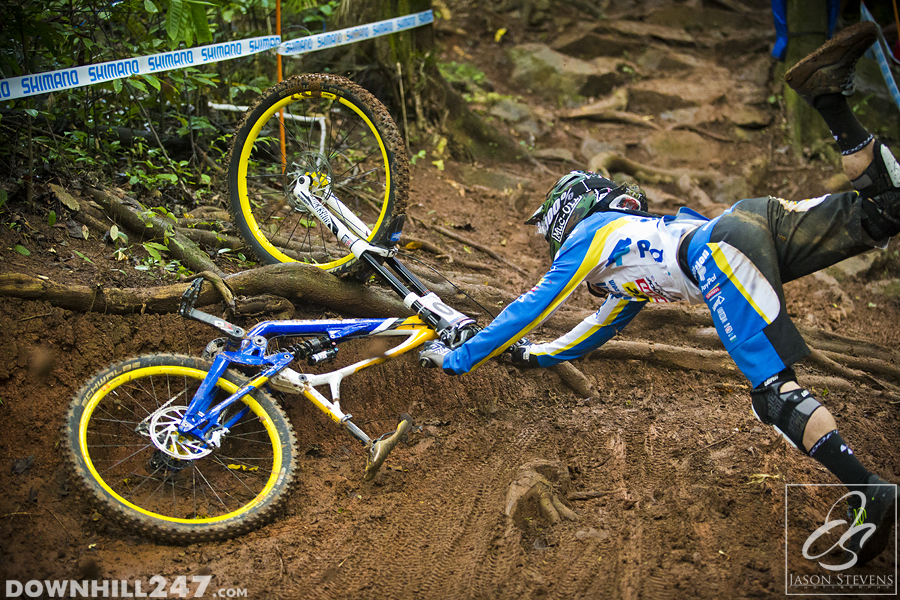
(658, 586)
(462, 547)
(646, 474)
(628, 577)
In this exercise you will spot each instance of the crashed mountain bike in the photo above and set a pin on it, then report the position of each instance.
(186, 449)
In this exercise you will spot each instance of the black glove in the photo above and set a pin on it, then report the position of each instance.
(433, 353)
(520, 354)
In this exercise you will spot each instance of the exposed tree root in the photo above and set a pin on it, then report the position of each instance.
(275, 288)
(720, 363)
(411, 243)
(687, 180)
(533, 484)
(460, 238)
(294, 282)
(575, 380)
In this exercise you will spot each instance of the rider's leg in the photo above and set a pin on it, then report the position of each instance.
(808, 425)
(739, 261)
(824, 79)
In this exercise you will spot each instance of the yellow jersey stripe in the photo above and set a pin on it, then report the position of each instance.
(725, 267)
(588, 263)
(613, 315)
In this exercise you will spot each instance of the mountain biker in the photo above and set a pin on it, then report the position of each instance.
(737, 263)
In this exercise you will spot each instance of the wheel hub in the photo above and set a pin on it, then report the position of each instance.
(315, 166)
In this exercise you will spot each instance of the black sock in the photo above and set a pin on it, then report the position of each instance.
(847, 131)
(834, 454)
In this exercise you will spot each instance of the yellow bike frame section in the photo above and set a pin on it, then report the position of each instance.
(417, 332)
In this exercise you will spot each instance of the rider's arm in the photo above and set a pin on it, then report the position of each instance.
(590, 334)
(581, 253)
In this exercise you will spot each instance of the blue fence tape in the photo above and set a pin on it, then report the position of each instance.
(43, 83)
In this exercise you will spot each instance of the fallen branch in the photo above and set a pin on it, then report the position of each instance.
(150, 227)
(724, 439)
(476, 245)
(710, 134)
(98, 227)
(578, 496)
(618, 116)
(617, 101)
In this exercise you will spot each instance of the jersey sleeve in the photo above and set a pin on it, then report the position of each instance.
(590, 334)
(581, 253)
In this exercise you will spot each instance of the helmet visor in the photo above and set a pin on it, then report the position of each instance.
(625, 202)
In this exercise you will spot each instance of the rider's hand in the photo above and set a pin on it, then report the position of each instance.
(520, 354)
(433, 353)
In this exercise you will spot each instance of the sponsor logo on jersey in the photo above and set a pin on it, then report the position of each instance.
(538, 284)
(621, 248)
(644, 248)
(646, 288)
(698, 269)
(726, 326)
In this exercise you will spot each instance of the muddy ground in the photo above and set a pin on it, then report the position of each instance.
(694, 502)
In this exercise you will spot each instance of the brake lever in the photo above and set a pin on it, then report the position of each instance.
(454, 337)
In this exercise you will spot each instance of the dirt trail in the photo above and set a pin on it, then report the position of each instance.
(692, 502)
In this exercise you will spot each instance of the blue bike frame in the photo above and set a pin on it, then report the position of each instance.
(203, 419)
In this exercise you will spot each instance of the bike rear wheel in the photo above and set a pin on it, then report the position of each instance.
(118, 423)
(345, 139)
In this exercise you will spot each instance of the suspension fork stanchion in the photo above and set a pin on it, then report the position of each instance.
(407, 275)
(410, 298)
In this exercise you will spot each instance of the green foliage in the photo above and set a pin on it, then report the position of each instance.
(146, 133)
(462, 73)
(319, 15)
(415, 157)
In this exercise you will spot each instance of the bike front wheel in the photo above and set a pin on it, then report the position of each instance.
(124, 454)
(344, 139)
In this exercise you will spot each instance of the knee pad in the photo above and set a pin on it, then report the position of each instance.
(787, 412)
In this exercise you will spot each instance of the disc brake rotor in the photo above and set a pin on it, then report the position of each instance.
(164, 434)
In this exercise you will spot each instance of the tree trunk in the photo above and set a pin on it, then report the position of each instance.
(807, 22)
(423, 101)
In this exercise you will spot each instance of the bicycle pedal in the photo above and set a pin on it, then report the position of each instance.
(379, 449)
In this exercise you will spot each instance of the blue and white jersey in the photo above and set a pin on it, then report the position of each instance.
(633, 258)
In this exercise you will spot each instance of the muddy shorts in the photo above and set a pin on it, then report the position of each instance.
(741, 259)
